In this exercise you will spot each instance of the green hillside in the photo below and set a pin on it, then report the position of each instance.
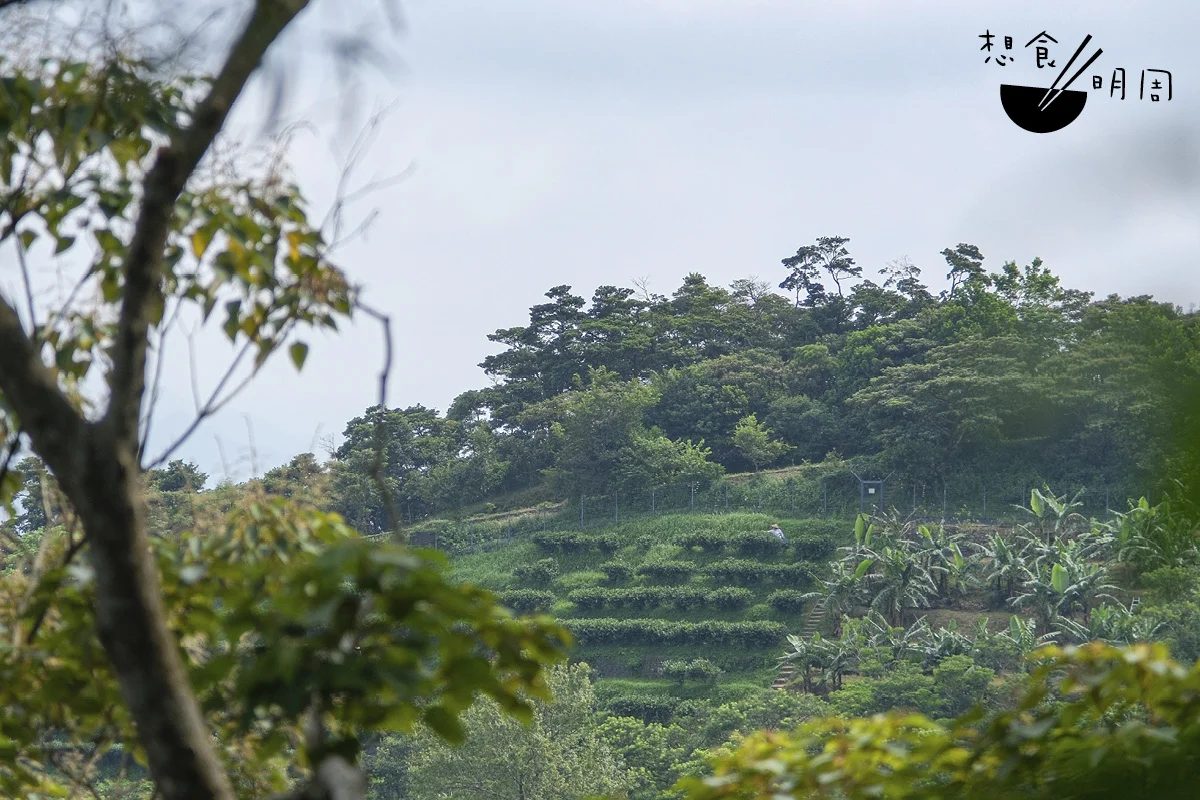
(676, 587)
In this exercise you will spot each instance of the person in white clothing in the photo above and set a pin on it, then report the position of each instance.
(777, 532)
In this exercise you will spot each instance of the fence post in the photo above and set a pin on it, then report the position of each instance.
(692, 506)
(653, 504)
(758, 508)
(824, 498)
(985, 502)
(1106, 511)
(793, 501)
(581, 512)
(943, 501)
(727, 498)
(616, 507)
(914, 497)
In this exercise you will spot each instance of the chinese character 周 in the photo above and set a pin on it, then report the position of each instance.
(1155, 85)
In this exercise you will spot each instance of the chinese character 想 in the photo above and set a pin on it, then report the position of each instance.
(1043, 53)
(1155, 85)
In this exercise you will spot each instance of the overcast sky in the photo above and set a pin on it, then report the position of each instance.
(590, 143)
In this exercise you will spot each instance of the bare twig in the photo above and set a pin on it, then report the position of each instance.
(210, 407)
(159, 360)
(385, 493)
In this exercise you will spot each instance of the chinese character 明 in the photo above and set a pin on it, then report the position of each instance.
(1155, 85)
(1043, 53)
(1118, 82)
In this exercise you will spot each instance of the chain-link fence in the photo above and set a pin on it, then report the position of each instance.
(836, 493)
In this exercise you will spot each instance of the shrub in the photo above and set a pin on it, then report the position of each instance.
(705, 540)
(539, 573)
(729, 598)
(607, 543)
(814, 546)
(527, 600)
(667, 571)
(647, 708)
(740, 572)
(639, 598)
(576, 542)
(688, 598)
(589, 599)
(616, 572)
(756, 543)
(787, 601)
(700, 669)
(659, 631)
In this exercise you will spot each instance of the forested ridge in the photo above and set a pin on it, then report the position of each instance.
(167, 636)
(1003, 381)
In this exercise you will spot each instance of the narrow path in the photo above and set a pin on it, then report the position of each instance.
(812, 623)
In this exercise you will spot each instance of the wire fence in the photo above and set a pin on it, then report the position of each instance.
(840, 494)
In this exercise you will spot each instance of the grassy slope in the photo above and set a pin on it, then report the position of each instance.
(650, 539)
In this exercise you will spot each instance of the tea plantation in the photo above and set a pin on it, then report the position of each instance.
(671, 606)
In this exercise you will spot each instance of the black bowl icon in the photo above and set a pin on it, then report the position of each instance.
(1021, 103)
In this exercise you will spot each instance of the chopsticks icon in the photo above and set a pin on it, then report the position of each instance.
(1044, 103)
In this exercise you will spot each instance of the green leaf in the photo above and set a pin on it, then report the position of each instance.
(444, 724)
(1058, 578)
(200, 241)
(1035, 502)
(298, 352)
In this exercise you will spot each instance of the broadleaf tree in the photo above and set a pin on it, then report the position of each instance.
(165, 646)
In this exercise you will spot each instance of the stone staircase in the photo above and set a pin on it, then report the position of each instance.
(787, 671)
(812, 623)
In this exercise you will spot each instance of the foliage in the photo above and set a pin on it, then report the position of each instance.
(1119, 729)
(558, 753)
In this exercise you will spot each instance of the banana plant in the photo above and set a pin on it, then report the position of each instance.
(1054, 515)
(1004, 564)
(845, 589)
(1024, 635)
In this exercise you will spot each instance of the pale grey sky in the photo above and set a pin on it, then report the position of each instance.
(557, 141)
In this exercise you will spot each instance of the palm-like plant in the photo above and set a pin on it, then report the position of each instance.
(901, 583)
(940, 555)
(1149, 537)
(821, 662)
(1112, 624)
(900, 642)
(1023, 634)
(844, 590)
(1053, 516)
(1086, 585)
(1004, 565)
(944, 642)
(1041, 594)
